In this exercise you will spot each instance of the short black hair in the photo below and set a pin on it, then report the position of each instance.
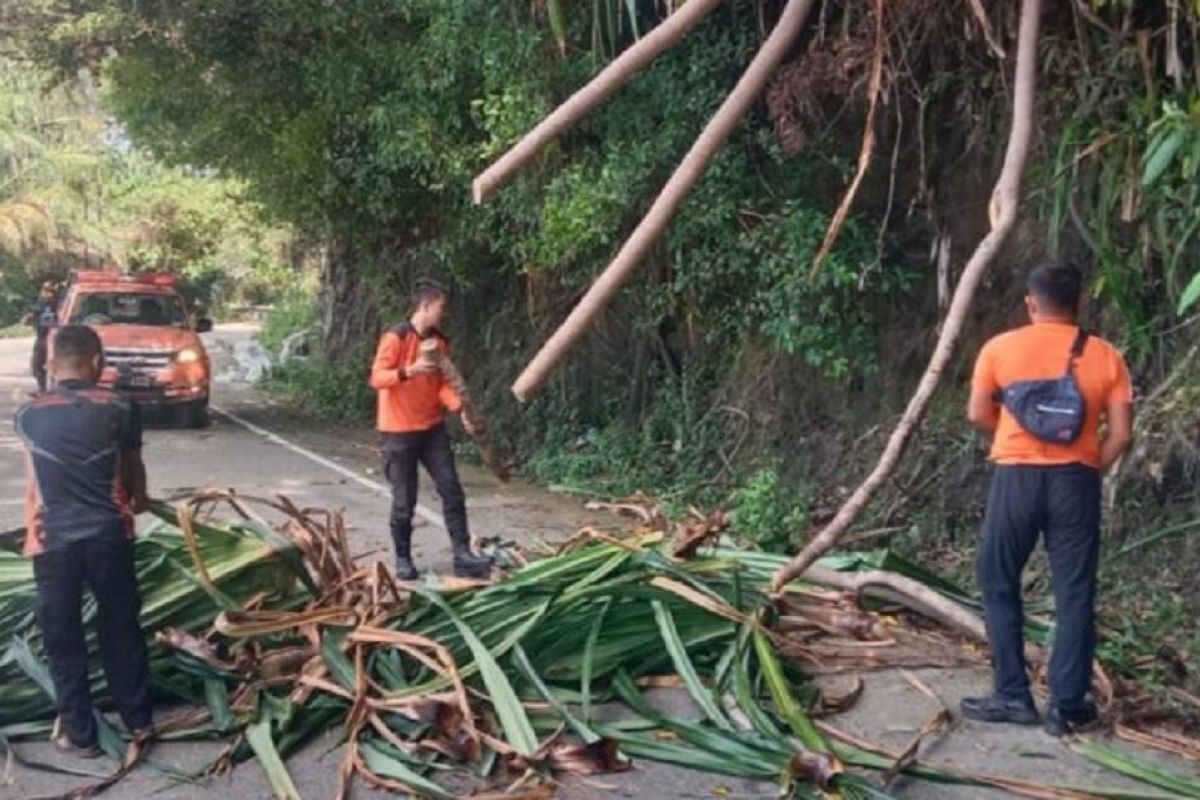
(78, 344)
(427, 289)
(1057, 285)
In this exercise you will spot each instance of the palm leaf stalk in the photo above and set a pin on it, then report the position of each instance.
(277, 635)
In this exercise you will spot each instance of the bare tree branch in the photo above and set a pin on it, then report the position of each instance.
(1002, 214)
(866, 151)
(658, 41)
(989, 33)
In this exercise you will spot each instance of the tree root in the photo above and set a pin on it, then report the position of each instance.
(866, 150)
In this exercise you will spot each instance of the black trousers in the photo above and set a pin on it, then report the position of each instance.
(105, 566)
(401, 453)
(1063, 504)
(37, 362)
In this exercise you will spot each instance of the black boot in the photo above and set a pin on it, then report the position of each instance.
(402, 540)
(1000, 709)
(1060, 722)
(466, 563)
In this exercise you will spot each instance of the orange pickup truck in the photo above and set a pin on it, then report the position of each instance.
(152, 348)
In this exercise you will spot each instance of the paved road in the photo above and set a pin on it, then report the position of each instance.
(261, 448)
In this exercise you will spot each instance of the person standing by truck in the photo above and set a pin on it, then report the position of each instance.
(413, 397)
(43, 317)
(86, 482)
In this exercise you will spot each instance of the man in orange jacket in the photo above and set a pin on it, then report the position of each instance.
(413, 398)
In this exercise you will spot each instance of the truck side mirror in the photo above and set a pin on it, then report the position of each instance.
(204, 325)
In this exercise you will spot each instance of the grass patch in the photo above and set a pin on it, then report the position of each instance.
(766, 511)
(17, 331)
(295, 312)
(326, 391)
(671, 454)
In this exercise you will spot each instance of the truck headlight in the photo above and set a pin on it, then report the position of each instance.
(188, 355)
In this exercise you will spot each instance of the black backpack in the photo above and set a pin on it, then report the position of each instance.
(1050, 410)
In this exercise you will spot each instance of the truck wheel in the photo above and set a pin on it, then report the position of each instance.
(194, 414)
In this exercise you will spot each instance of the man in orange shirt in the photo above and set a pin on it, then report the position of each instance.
(413, 397)
(1047, 487)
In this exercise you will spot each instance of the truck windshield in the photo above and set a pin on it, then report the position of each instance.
(125, 308)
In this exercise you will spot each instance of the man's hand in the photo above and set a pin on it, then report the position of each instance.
(467, 423)
(133, 473)
(1119, 418)
(418, 368)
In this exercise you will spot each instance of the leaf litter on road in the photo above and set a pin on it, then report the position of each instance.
(275, 635)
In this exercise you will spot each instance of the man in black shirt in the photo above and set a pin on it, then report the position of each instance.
(43, 317)
(84, 451)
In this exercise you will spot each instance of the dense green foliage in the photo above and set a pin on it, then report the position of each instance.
(75, 194)
(362, 122)
(366, 121)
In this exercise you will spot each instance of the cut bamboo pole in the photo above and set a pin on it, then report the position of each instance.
(1002, 214)
(632, 61)
(747, 91)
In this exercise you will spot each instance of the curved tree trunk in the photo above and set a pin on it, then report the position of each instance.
(664, 36)
(347, 305)
(904, 591)
(749, 88)
(1003, 215)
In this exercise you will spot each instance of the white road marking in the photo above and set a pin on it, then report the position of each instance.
(424, 512)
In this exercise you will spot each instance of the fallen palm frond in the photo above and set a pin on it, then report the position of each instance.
(242, 565)
(288, 637)
(1139, 769)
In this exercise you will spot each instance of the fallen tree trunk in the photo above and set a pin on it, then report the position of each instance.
(1003, 215)
(906, 592)
(658, 41)
(749, 88)
(480, 433)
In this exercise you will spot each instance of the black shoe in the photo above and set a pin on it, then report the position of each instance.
(65, 745)
(405, 569)
(999, 709)
(469, 565)
(1060, 722)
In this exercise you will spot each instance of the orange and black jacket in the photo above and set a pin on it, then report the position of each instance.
(76, 439)
(408, 405)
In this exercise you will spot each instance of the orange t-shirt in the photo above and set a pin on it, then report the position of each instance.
(1040, 352)
(408, 405)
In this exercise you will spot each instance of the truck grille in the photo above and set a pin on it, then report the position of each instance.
(139, 360)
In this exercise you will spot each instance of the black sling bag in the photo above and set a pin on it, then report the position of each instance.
(1050, 410)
